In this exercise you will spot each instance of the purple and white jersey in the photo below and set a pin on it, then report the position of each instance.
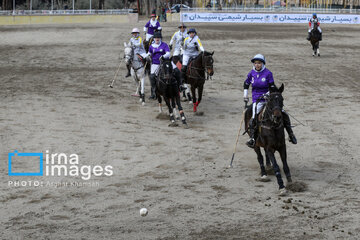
(151, 26)
(157, 51)
(260, 82)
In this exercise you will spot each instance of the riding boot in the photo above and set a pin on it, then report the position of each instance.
(308, 37)
(252, 131)
(287, 125)
(129, 69)
(153, 86)
(320, 38)
(183, 74)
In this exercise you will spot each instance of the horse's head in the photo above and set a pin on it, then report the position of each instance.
(275, 104)
(208, 62)
(166, 71)
(128, 53)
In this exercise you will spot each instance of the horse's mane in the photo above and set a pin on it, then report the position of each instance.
(206, 53)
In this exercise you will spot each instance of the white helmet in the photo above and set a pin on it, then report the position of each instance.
(135, 30)
(259, 57)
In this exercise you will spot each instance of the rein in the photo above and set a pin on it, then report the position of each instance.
(266, 116)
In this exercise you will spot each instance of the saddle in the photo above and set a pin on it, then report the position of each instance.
(141, 59)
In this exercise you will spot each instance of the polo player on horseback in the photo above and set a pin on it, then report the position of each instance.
(137, 45)
(178, 40)
(261, 79)
(151, 27)
(314, 21)
(192, 46)
(157, 50)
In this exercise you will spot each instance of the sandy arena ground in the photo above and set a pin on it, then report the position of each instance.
(55, 96)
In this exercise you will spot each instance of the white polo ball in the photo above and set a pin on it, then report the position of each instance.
(143, 212)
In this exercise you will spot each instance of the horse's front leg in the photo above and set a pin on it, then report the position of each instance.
(260, 159)
(173, 105)
(193, 97)
(142, 87)
(277, 171)
(159, 98)
(200, 93)
(181, 111)
(318, 49)
(137, 82)
(268, 163)
(172, 118)
(286, 168)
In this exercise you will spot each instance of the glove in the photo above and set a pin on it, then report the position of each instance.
(148, 58)
(170, 47)
(161, 58)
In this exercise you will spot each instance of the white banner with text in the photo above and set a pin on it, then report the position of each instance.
(268, 18)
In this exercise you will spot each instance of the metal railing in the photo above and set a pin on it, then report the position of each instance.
(67, 12)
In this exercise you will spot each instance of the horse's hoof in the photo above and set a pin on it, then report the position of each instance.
(190, 102)
(143, 103)
(283, 192)
(289, 180)
(264, 178)
(185, 125)
(319, 54)
(173, 124)
(140, 100)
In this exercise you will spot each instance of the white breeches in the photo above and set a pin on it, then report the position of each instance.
(177, 52)
(186, 59)
(258, 107)
(318, 29)
(148, 36)
(154, 69)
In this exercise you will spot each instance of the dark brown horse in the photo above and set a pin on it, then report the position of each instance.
(271, 135)
(195, 74)
(167, 87)
(315, 40)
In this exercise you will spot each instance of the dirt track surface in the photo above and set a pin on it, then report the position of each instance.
(54, 96)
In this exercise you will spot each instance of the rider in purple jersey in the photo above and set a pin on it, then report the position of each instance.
(261, 79)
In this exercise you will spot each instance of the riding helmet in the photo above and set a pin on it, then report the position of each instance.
(182, 26)
(152, 15)
(192, 30)
(157, 35)
(259, 57)
(135, 30)
(314, 15)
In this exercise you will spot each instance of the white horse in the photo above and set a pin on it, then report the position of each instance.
(137, 71)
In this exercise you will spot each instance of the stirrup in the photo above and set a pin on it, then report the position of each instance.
(128, 75)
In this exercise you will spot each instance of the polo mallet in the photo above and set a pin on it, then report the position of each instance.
(117, 71)
(237, 138)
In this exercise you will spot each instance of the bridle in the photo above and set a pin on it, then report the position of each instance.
(204, 66)
(274, 102)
